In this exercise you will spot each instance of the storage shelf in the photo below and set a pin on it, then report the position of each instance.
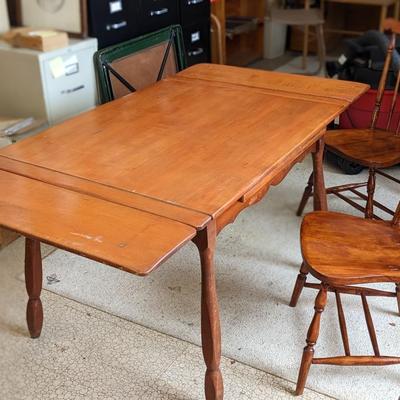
(240, 25)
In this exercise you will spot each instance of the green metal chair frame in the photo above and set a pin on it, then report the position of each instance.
(105, 57)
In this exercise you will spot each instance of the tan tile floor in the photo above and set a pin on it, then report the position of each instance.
(86, 354)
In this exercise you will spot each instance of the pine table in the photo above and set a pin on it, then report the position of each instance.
(132, 181)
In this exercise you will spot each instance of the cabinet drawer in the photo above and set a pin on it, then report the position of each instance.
(75, 90)
(194, 10)
(197, 43)
(113, 21)
(157, 14)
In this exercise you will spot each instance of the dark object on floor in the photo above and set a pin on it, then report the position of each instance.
(363, 60)
(342, 251)
(349, 167)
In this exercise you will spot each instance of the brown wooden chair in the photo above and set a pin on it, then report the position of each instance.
(372, 148)
(342, 251)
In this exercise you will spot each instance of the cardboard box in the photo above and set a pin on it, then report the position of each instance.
(36, 39)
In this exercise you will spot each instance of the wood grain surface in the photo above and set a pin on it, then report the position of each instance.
(183, 141)
(316, 88)
(371, 148)
(342, 249)
(117, 235)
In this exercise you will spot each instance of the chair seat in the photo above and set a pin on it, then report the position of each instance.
(370, 148)
(343, 250)
(297, 17)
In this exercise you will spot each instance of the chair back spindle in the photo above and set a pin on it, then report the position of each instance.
(396, 217)
(382, 82)
(397, 132)
(393, 104)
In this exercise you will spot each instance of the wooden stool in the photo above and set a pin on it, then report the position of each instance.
(304, 18)
(342, 251)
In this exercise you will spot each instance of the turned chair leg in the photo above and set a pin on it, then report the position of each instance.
(312, 337)
(369, 208)
(398, 295)
(298, 287)
(33, 283)
(306, 195)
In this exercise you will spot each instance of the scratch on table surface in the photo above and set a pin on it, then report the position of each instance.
(98, 239)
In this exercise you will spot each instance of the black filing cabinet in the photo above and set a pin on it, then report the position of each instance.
(157, 14)
(114, 21)
(197, 42)
(195, 21)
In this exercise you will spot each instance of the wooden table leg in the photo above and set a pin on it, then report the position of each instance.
(210, 323)
(33, 282)
(320, 201)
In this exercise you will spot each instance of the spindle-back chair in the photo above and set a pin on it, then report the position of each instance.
(374, 148)
(342, 251)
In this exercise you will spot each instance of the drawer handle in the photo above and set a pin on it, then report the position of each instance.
(196, 52)
(116, 26)
(194, 2)
(159, 12)
(75, 89)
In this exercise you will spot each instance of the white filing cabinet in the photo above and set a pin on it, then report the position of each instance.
(53, 85)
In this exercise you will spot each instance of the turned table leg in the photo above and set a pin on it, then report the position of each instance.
(210, 323)
(320, 201)
(33, 282)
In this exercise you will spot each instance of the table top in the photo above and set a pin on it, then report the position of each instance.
(183, 150)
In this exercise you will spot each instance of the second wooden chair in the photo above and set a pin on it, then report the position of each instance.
(374, 148)
(342, 251)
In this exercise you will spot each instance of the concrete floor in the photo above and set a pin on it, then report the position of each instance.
(88, 354)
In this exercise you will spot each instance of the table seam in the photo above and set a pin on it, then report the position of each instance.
(84, 193)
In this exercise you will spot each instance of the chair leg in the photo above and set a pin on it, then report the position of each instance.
(369, 208)
(398, 296)
(312, 337)
(306, 195)
(298, 287)
(321, 47)
(305, 46)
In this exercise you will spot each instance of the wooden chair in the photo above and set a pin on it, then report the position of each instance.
(137, 63)
(371, 148)
(305, 17)
(342, 251)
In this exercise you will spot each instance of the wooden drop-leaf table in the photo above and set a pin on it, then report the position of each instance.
(132, 181)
